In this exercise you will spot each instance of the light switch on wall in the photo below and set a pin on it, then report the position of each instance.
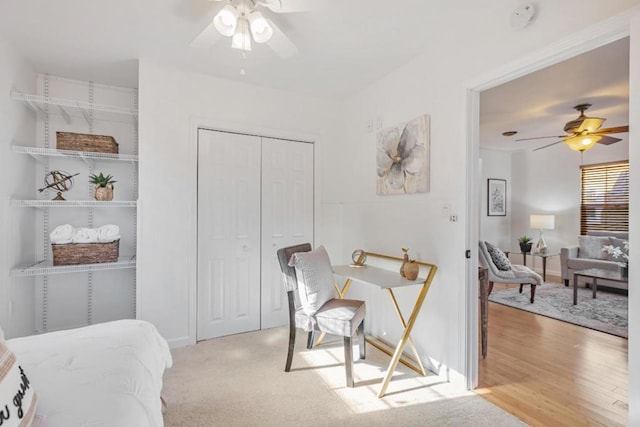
(446, 209)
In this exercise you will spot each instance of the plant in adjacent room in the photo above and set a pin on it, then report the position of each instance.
(526, 243)
(103, 186)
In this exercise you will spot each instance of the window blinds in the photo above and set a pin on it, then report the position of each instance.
(605, 197)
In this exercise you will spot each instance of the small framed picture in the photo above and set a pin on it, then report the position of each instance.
(496, 197)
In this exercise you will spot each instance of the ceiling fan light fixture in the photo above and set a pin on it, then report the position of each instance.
(226, 20)
(260, 28)
(582, 143)
(241, 38)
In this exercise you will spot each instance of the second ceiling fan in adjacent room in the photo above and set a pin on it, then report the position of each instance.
(584, 132)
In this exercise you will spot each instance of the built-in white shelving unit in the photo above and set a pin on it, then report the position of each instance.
(73, 204)
(46, 267)
(66, 295)
(41, 153)
(67, 108)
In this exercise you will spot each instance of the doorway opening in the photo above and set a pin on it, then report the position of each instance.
(528, 171)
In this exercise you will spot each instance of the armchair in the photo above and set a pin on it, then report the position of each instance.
(516, 274)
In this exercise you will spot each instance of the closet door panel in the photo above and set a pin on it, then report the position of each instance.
(287, 216)
(228, 234)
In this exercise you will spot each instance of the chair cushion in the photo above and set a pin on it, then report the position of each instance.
(591, 247)
(575, 264)
(315, 279)
(524, 272)
(498, 257)
(338, 317)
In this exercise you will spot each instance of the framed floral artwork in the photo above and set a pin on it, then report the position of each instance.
(403, 158)
(496, 197)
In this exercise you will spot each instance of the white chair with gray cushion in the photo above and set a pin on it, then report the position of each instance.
(502, 271)
(313, 306)
(589, 254)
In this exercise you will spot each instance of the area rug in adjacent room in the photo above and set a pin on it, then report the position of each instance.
(607, 313)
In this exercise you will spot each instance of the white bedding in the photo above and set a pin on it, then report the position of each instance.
(108, 374)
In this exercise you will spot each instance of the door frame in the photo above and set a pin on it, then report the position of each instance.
(196, 123)
(578, 43)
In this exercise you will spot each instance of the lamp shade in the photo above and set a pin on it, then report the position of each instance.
(241, 38)
(546, 222)
(260, 28)
(226, 20)
(582, 142)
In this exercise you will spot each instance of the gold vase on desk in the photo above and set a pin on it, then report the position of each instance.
(405, 260)
(411, 270)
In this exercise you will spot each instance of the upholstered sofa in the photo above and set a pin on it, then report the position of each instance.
(589, 254)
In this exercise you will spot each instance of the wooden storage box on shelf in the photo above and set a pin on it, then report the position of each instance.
(85, 253)
(86, 142)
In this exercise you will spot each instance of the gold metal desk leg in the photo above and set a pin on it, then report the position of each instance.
(421, 370)
(404, 339)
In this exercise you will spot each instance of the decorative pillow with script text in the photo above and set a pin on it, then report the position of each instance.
(17, 398)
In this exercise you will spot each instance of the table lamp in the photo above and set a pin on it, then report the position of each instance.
(542, 222)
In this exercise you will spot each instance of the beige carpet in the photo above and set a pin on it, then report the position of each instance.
(239, 380)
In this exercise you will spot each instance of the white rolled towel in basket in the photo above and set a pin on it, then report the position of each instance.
(61, 235)
(108, 233)
(85, 235)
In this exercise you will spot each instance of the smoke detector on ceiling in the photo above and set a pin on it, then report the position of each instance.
(522, 16)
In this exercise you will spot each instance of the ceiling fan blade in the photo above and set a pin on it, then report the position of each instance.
(280, 43)
(590, 124)
(288, 6)
(608, 140)
(618, 129)
(541, 137)
(207, 37)
(548, 145)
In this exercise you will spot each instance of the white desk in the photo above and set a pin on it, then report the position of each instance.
(389, 280)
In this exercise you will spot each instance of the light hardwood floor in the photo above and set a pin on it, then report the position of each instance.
(552, 373)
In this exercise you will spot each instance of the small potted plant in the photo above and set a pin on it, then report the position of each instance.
(525, 243)
(104, 186)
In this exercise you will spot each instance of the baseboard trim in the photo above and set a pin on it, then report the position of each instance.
(180, 342)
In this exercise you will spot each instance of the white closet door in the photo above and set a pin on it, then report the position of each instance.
(287, 216)
(228, 233)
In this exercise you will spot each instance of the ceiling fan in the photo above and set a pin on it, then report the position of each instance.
(247, 20)
(584, 132)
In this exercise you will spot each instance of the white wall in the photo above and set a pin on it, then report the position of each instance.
(548, 182)
(434, 83)
(634, 224)
(17, 126)
(497, 229)
(172, 102)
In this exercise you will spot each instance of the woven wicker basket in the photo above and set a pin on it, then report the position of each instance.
(85, 253)
(86, 142)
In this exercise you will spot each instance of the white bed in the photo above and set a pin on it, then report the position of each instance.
(108, 374)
